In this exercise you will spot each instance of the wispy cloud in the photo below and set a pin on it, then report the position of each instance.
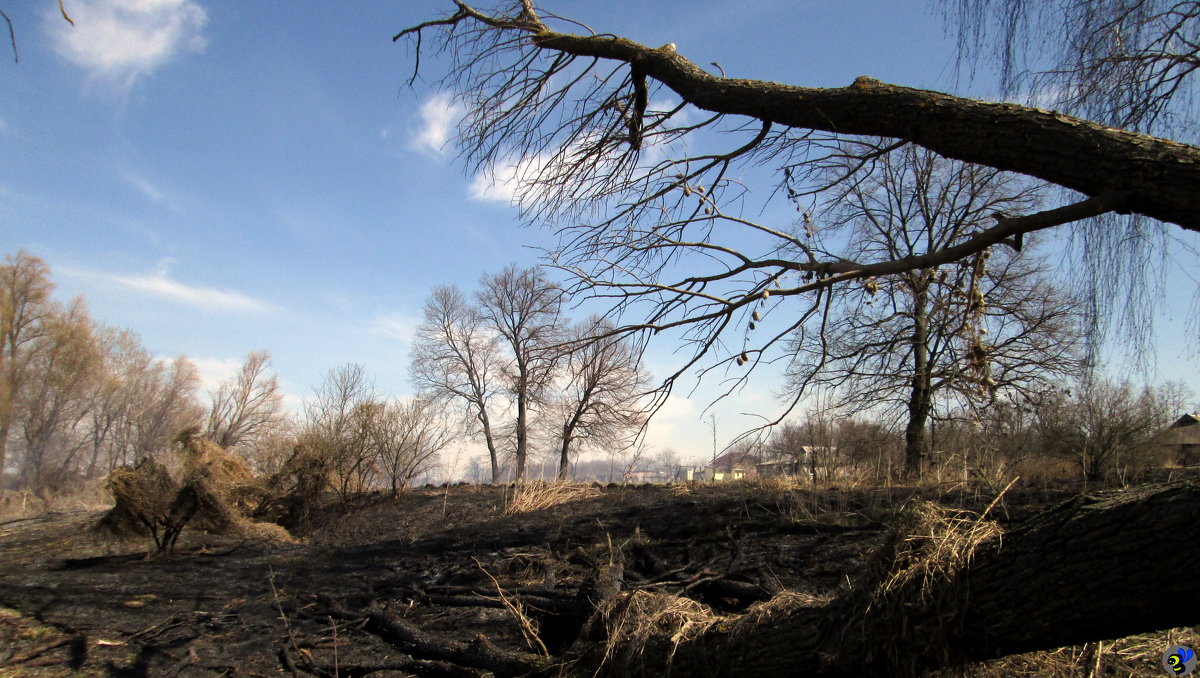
(208, 298)
(153, 192)
(439, 115)
(159, 284)
(396, 326)
(119, 41)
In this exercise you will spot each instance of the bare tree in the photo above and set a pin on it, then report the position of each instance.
(667, 238)
(66, 364)
(522, 307)
(245, 405)
(24, 303)
(1125, 63)
(406, 438)
(810, 442)
(898, 345)
(455, 358)
(334, 428)
(569, 111)
(601, 402)
(1100, 424)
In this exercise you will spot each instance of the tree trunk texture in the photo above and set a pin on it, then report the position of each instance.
(1101, 566)
(564, 457)
(522, 431)
(916, 442)
(491, 444)
(1158, 177)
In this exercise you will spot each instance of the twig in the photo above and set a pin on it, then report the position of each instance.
(528, 628)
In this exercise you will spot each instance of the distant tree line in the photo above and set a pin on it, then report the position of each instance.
(1094, 429)
(79, 399)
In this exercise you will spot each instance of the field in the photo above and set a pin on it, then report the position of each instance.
(466, 580)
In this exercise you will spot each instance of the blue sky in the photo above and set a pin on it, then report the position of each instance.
(229, 176)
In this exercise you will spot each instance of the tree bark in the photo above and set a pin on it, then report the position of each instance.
(1158, 177)
(522, 422)
(491, 444)
(564, 458)
(1101, 566)
(916, 443)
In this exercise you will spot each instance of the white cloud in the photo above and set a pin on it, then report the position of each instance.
(503, 183)
(159, 284)
(215, 371)
(152, 191)
(396, 326)
(498, 185)
(119, 41)
(439, 115)
(207, 298)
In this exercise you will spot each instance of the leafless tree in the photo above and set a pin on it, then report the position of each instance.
(522, 306)
(245, 405)
(1101, 424)
(67, 364)
(1125, 63)
(456, 358)
(811, 442)
(406, 438)
(603, 391)
(334, 428)
(665, 236)
(664, 233)
(25, 289)
(900, 344)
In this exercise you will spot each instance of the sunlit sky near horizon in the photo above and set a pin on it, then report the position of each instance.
(222, 177)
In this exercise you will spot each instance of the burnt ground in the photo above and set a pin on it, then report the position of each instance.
(381, 586)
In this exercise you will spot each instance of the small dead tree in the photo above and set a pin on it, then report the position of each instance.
(336, 427)
(406, 438)
(246, 405)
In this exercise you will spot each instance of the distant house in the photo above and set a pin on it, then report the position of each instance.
(735, 465)
(800, 462)
(690, 474)
(779, 468)
(646, 477)
(1183, 439)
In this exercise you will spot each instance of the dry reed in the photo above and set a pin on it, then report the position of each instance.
(539, 495)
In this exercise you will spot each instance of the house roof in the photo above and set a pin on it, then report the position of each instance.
(733, 459)
(1186, 420)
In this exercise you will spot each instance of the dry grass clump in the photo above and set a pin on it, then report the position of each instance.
(932, 543)
(1137, 656)
(633, 620)
(217, 493)
(539, 495)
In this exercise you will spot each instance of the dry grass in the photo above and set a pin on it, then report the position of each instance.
(539, 495)
(633, 620)
(1137, 656)
(936, 543)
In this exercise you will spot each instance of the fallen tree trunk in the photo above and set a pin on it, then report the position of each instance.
(1101, 566)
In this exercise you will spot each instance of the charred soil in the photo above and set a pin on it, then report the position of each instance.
(438, 581)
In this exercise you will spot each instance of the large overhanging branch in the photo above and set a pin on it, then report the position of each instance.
(1157, 177)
